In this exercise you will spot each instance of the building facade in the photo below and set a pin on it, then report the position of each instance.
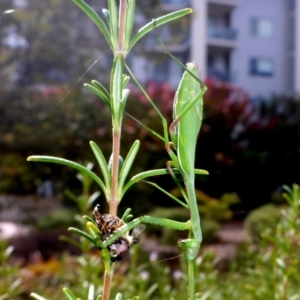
(252, 44)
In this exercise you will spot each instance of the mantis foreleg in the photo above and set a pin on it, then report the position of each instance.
(144, 219)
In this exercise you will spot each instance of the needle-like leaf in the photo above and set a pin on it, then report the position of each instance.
(98, 93)
(127, 165)
(102, 163)
(101, 88)
(96, 19)
(69, 294)
(129, 22)
(83, 234)
(144, 175)
(113, 22)
(167, 193)
(158, 22)
(69, 163)
(116, 84)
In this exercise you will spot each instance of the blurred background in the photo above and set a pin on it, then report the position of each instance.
(249, 140)
(248, 53)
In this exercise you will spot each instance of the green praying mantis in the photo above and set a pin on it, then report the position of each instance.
(184, 130)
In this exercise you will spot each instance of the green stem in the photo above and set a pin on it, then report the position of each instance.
(122, 19)
(191, 276)
(113, 201)
(107, 283)
(108, 274)
(195, 217)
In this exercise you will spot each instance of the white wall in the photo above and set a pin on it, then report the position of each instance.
(274, 47)
(198, 35)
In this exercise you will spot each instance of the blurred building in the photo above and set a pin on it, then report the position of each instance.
(254, 44)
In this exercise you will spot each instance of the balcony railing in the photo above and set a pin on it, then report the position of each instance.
(175, 2)
(222, 33)
(224, 2)
(224, 76)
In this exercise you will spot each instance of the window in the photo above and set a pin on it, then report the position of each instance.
(292, 5)
(261, 67)
(175, 2)
(262, 27)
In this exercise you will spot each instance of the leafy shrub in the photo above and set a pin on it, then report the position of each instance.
(62, 218)
(258, 220)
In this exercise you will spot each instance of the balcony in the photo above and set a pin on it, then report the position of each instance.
(175, 38)
(221, 37)
(175, 2)
(170, 5)
(221, 6)
(222, 76)
(224, 2)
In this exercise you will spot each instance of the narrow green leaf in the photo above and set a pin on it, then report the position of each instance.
(127, 164)
(93, 230)
(83, 234)
(69, 294)
(126, 213)
(125, 94)
(105, 255)
(96, 19)
(144, 92)
(113, 23)
(101, 88)
(102, 163)
(158, 22)
(144, 175)
(167, 193)
(128, 218)
(150, 291)
(151, 173)
(146, 127)
(201, 172)
(71, 164)
(87, 218)
(97, 93)
(116, 88)
(126, 79)
(36, 296)
(195, 76)
(130, 14)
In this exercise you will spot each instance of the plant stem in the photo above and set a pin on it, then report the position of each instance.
(113, 201)
(191, 276)
(122, 19)
(107, 283)
(195, 217)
